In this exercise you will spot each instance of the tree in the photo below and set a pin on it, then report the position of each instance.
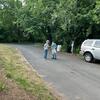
(62, 21)
(8, 16)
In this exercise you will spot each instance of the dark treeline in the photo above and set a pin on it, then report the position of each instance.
(58, 20)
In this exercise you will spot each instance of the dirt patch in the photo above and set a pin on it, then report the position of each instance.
(12, 90)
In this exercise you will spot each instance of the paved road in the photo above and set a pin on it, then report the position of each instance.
(70, 75)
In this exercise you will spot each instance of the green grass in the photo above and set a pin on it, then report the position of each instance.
(2, 86)
(18, 70)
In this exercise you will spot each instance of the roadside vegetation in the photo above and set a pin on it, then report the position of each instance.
(16, 69)
(2, 86)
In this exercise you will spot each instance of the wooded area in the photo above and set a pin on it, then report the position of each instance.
(58, 20)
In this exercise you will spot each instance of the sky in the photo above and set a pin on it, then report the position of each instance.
(22, 1)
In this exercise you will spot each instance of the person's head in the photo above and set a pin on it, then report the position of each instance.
(52, 42)
(47, 41)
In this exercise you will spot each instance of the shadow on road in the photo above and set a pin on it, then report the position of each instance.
(97, 62)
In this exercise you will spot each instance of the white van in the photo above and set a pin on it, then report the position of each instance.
(90, 49)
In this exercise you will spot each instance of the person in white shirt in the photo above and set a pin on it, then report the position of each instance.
(46, 46)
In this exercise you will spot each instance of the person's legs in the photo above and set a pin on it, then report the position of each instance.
(54, 55)
(45, 54)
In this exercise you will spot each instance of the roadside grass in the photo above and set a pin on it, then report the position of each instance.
(17, 69)
(2, 86)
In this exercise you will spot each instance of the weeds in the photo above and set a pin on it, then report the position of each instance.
(2, 86)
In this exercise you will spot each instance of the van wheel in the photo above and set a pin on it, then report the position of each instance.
(88, 57)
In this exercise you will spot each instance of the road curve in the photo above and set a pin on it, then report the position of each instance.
(69, 74)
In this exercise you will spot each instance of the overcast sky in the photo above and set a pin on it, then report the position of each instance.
(22, 1)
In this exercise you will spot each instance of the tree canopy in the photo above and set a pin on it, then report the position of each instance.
(58, 20)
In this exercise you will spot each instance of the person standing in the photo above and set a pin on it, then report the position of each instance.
(46, 46)
(54, 50)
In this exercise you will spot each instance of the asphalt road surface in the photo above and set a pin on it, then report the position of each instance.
(69, 74)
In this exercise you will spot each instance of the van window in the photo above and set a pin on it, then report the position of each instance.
(88, 43)
(97, 44)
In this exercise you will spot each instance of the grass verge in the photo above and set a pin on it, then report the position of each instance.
(17, 69)
(2, 86)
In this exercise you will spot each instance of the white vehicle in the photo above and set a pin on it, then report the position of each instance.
(90, 49)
